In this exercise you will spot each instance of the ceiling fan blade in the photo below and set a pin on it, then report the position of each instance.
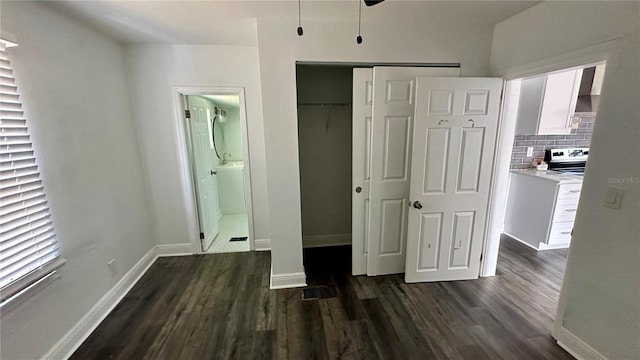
(372, 2)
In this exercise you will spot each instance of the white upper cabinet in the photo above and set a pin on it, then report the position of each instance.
(547, 103)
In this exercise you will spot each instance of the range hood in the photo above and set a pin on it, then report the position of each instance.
(590, 86)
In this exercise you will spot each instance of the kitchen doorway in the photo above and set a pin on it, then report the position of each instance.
(547, 122)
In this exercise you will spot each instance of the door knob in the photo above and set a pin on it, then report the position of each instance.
(212, 172)
(358, 189)
(417, 205)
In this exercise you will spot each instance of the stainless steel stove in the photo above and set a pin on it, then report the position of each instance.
(568, 161)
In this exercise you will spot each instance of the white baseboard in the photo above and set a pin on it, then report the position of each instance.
(288, 280)
(326, 240)
(262, 244)
(544, 246)
(65, 347)
(521, 241)
(541, 246)
(174, 250)
(576, 347)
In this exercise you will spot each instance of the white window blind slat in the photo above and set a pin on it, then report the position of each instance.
(10, 105)
(9, 97)
(15, 254)
(21, 174)
(19, 181)
(23, 207)
(27, 263)
(28, 245)
(18, 172)
(10, 81)
(36, 205)
(9, 89)
(13, 148)
(17, 166)
(9, 246)
(26, 221)
(13, 242)
(12, 123)
(10, 264)
(22, 197)
(17, 156)
(17, 189)
(26, 230)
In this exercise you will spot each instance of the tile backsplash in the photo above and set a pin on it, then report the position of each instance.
(580, 137)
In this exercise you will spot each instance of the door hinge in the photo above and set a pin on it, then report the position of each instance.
(201, 236)
(481, 257)
(187, 114)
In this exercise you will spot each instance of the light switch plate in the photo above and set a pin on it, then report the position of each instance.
(613, 197)
(530, 151)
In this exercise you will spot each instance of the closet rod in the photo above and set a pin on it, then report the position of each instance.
(325, 104)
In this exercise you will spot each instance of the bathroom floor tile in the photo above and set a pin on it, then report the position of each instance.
(231, 226)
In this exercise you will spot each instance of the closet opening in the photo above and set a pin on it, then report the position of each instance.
(324, 96)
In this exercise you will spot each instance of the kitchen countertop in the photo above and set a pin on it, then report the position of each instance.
(551, 175)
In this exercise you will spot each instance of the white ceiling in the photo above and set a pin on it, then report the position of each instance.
(226, 102)
(227, 22)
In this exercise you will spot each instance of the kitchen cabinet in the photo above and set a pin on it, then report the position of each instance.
(541, 208)
(547, 103)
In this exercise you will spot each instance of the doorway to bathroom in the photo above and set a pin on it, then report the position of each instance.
(215, 133)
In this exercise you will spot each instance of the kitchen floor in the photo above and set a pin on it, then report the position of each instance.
(219, 306)
(231, 226)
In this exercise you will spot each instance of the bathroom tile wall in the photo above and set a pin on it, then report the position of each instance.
(580, 137)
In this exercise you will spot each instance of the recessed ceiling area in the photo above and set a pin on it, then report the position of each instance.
(236, 22)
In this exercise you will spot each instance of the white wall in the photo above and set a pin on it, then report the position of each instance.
(599, 300)
(73, 84)
(154, 71)
(427, 38)
(551, 29)
(232, 130)
(324, 136)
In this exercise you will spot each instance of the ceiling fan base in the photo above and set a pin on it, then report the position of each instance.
(372, 2)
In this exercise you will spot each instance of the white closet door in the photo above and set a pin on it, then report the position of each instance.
(453, 148)
(361, 145)
(391, 134)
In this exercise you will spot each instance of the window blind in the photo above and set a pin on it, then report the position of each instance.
(28, 246)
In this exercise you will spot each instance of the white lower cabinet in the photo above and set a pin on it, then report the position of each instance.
(541, 209)
(560, 233)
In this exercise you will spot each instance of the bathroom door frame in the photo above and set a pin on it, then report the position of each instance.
(185, 157)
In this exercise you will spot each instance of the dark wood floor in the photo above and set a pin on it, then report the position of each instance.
(220, 307)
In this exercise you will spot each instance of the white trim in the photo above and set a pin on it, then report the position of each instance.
(175, 250)
(186, 174)
(65, 347)
(29, 282)
(287, 280)
(326, 240)
(590, 55)
(576, 347)
(6, 43)
(541, 246)
(263, 245)
(521, 241)
(497, 205)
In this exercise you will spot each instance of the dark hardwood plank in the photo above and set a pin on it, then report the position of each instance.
(220, 307)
